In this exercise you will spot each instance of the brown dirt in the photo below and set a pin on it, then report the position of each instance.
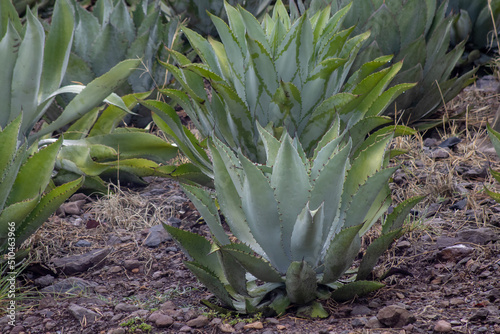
(461, 288)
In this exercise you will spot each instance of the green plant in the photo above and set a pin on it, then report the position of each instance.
(495, 140)
(291, 75)
(197, 11)
(417, 32)
(110, 34)
(298, 220)
(26, 201)
(135, 324)
(34, 68)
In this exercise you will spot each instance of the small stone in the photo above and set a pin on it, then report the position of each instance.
(168, 305)
(198, 322)
(31, 321)
(71, 285)
(73, 208)
(496, 328)
(254, 325)
(360, 310)
(49, 325)
(131, 264)
(403, 244)
(273, 321)
(395, 316)
(185, 329)
(455, 253)
(117, 331)
(442, 326)
(157, 235)
(124, 307)
(163, 320)
(456, 301)
(44, 281)
(359, 322)
(79, 263)
(373, 322)
(226, 328)
(480, 315)
(439, 153)
(430, 142)
(280, 327)
(478, 236)
(83, 243)
(82, 314)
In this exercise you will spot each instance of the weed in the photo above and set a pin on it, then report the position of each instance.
(135, 324)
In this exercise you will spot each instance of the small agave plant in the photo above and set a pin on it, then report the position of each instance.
(298, 221)
(289, 72)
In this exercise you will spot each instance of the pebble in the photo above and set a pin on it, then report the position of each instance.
(226, 328)
(480, 315)
(117, 331)
(442, 326)
(124, 307)
(395, 316)
(83, 243)
(163, 320)
(254, 325)
(131, 264)
(198, 322)
(360, 310)
(359, 322)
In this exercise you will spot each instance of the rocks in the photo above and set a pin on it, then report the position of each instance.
(44, 281)
(360, 310)
(78, 263)
(83, 315)
(124, 307)
(395, 316)
(479, 236)
(83, 243)
(455, 253)
(442, 326)
(163, 320)
(71, 285)
(480, 315)
(439, 153)
(157, 235)
(131, 264)
(72, 208)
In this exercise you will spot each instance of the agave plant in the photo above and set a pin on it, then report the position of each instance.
(417, 32)
(495, 139)
(291, 74)
(27, 197)
(298, 221)
(95, 147)
(197, 11)
(110, 34)
(34, 67)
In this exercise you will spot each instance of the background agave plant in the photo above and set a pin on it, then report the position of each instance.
(196, 11)
(495, 139)
(417, 32)
(296, 239)
(290, 74)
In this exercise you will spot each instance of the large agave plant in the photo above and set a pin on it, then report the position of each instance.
(417, 32)
(197, 11)
(291, 74)
(110, 34)
(298, 221)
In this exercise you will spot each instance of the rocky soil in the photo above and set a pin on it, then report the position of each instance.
(107, 265)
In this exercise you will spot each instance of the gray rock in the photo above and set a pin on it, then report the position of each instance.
(117, 331)
(156, 236)
(442, 326)
(17, 329)
(455, 253)
(360, 310)
(113, 240)
(395, 316)
(83, 243)
(430, 142)
(359, 322)
(198, 322)
(440, 153)
(480, 315)
(49, 325)
(73, 208)
(373, 322)
(124, 307)
(31, 321)
(80, 263)
(443, 242)
(185, 329)
(131, 264)
(479, 236)
(71, 285)
(163, 320)
(82, 314)
(44, 281)
(140, 314)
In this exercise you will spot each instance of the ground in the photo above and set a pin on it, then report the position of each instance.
(93, 271)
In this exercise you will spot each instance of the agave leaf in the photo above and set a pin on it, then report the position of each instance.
(494, 137)
(307, 231)
(46, 207)
(280, 303)
(383, 23)
(287, 62)
(341, 252)
(314, 310)
(301, 282)
(205, 204)
(234, 273)
(358, 288)
(27, 73)
(92, 96)
(261, 212)
(395, 219)
(271, 144)
(387, 97)
(365, 70)
(41, 164)
(203, 49)
(290, 196)
(199, 249)
(211, 281)
(8, 55)
(8, 14)
(58, 48)
(8, 145)
(16, 213)
(257, 266)
(10, 172)
(492, 194)
(80, 128)
(373, 252)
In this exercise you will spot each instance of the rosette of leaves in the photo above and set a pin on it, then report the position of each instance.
(197, 11)
(34, 64)
(110, 34)
(27, 196)
(94, 146)
(291, 74)
(475, 22)
(418, 32)
(495, 140)
(298, 221)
